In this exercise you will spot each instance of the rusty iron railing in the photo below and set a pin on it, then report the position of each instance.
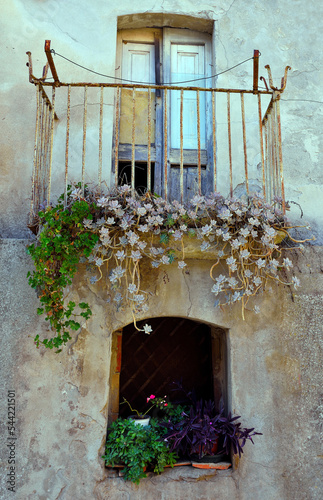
(233, 137)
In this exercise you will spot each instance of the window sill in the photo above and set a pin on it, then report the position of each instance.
(180, 472)
(181, 467)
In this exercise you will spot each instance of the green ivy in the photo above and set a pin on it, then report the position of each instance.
(61, 244)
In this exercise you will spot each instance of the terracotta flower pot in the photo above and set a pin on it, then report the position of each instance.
(201, 449)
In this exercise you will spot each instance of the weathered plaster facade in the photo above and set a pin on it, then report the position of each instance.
(275, 357)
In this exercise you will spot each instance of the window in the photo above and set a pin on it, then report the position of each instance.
(152, 120)
(179, 349)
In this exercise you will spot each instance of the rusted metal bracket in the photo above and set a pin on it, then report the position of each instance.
(32, 78)
(45, 71)
(264, 80)
(283, 80)
(29, 65)
(49, 56)
(256, 55)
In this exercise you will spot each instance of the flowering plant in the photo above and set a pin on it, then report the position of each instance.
(158, 402)
(123, 231)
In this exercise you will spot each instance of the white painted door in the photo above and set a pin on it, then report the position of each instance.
(138, 62)
(138, 65)
(187, 63)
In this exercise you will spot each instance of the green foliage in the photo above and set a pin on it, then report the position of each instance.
(164, 238)
(137, 447)
(62, 242)
(174, 412)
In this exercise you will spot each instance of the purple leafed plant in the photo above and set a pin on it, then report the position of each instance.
(201, 428)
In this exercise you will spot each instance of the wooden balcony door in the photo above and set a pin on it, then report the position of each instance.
(165, 56)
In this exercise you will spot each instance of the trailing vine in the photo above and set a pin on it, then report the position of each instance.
(122, 230)
(61, 243)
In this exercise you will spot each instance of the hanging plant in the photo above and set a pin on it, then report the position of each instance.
(124, 231)
(61, 244)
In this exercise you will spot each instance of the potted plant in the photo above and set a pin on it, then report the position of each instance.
(202, 429)
(137, 448)
(141, 418)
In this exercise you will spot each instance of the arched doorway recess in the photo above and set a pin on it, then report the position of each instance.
(179, 349)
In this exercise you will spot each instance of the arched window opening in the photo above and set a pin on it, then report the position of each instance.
(178, 350)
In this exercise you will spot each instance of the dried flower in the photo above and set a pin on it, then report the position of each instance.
(147, 329)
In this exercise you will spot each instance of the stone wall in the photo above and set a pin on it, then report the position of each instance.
(62, 399)
(277, 29)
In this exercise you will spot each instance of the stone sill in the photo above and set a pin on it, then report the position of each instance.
(182, 470)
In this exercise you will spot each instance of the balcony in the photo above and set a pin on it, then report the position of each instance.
(176, 141)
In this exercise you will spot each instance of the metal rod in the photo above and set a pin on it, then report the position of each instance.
(275, 151)
(274, 148)
(229, 143)
(198, 142)
(261, 147)
(50, 121)
(68, 115)
(149, 143)
(165, 145)
(35, 165)
(30, 68)
(45, 71)
(271, 171)
(84, 136)
(256, 54)
(181, 148)
(51, 62)
(45, 96)
(45, 166)
(143, 86)
(116, 142)
(268, 110)
(244, 142)
(266, 161)
(100, 139)
(42, 125)
(280, 156)
(272, 153)
(133, 140)
(51, 147)
(214, 140)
